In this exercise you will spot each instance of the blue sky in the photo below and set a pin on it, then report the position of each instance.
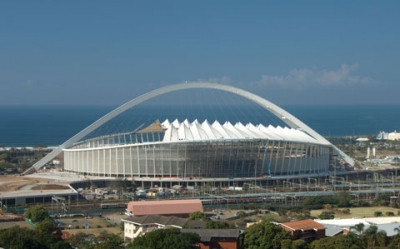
(289, 52)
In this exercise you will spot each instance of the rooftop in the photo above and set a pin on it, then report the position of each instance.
(303, 225)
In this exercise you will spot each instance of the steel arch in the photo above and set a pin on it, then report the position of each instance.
(285, 116)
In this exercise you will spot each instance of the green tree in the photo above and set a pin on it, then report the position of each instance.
(5, 157)
(241, 214)
(112, 241)
(46, 226)
(381, 200)
(375, 238)
(165, 239)
(198, 216)
(17, 237)
(286, 244)
(349, 241)
(219, 225)
(79, 240)
(343, 199)
(264, 235)
(326, 215)
(395, 240)
(358, 228)
(37, 213)
(299, 244)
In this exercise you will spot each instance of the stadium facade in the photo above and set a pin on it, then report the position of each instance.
(198, 150)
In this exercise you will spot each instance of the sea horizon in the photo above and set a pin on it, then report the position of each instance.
(52, 125)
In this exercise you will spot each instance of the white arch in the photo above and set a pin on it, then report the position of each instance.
(285, 116)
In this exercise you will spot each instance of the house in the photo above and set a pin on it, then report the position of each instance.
(139, 225)
(217, 238)
(307, 230)
(387, 224)
(181, 208)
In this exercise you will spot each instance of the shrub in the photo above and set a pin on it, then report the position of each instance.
(327, 215)
(346, 211)
(377, 213)
(389, 214)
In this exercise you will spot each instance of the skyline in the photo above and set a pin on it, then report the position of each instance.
(93, 52)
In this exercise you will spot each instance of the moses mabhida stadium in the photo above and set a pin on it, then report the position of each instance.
(197, 136)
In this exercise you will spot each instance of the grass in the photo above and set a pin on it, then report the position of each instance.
(359, 212)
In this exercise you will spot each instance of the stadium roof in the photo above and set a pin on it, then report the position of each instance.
(196, 131)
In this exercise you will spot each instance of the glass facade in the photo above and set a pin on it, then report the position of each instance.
(199, 159)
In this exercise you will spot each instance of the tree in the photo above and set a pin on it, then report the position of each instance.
(264, 235)
(299, 244)
(381, 200)
(374, 237)
(327, 215)
(17, 237)
(343, 199)
(349, 241)
(79, 240)
(37, 213)
(395, 240)
(198, 216)
(219, 225)
(358, 228)
(112, 241)
(46, 226)
(165, 239)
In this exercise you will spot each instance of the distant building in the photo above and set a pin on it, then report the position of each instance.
(307, 230)
(217, 238)
(181, 208)
(388, 136)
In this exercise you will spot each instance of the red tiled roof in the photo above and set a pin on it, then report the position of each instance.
(167, 207)
(303, 225)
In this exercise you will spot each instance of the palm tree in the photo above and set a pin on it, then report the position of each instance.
(397, 230)
(374, 237)
(358, 228)
(395, 240)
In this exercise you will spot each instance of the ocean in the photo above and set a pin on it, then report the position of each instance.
(26, 126)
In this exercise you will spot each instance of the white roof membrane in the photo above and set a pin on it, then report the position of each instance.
(196, 131)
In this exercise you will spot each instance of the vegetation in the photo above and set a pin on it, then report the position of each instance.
(219, 225)
(37, 213)
(325, 215)
(198, 216)
(17, 237)
(166, 239)
(17, 160)
(264, 235)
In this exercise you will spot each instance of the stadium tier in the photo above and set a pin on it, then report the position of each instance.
(198, 150)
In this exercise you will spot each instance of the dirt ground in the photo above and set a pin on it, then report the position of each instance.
(361, 212)
(14, 183)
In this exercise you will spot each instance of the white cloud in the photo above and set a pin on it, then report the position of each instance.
(223, 80)
(312, 77)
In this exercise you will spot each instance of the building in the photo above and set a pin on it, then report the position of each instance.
(388, 135)
(217, 238)
(181, 208)
(138, 226)
(387, 224)
(198, 150)
(307, 230)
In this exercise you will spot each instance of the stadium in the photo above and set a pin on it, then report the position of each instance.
(195, 149)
